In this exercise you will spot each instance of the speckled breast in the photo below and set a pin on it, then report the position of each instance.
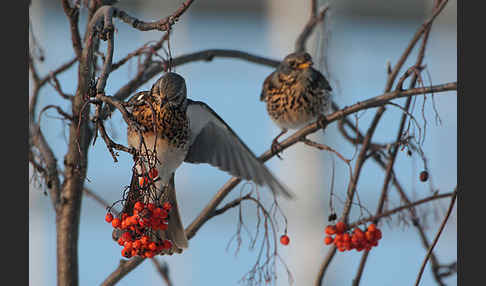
(169, 124)
(294, 107)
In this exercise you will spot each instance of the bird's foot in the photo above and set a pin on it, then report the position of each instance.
(276, 147)
(322, 121)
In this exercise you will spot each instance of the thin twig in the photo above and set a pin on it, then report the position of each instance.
(314, 19)
(73, 15)
(123, 269)
(161, 25)
(415, 70)
(399, 209)
(441, 228)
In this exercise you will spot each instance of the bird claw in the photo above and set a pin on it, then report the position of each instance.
(275, 148)
(322, 121)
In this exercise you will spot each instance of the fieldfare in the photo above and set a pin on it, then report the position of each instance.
(184, 130)
(295, 93)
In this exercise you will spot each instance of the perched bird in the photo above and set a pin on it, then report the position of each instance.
(295, 93)
(183, 130)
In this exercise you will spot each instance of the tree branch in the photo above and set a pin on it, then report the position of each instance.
(389, 168)
(161, 25)
(399, 209)
(314, 19)
(73, 17)
(155, 68)
(441, 228)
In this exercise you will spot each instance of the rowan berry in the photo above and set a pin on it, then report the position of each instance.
(340, 227)
(152, 246)
(372, 227)
(125, 253)
(284, 239)
(109, 217)
(346, 238)
(150, 206)
(369, 236)
(144, 240)
(167, 206)
(136, 244)
(328, 240)
(149, 254)
(115, 223)
(330, 229)
(338, 238)
(138, 206)
(167, 244)
(163, 226)
(127, 236)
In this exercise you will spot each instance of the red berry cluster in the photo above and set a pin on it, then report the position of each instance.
(357, 239)
(139, 227)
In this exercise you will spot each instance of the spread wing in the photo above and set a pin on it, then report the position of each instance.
(214, 142)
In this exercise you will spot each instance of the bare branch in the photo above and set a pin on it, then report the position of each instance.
(399, 209)
(51, 175)
(411, 45)
(435, 264)
(155, 68)
(441, 228)
(73, 15)
(309, 27)
(230, 205)
(161, 25)
(141, 50)
(415, 70)
(58, 88)
(58, 109)
(123, 269)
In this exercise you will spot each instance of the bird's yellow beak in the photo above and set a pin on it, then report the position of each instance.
(305, 65)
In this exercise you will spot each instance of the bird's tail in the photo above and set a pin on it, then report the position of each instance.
(175, 231)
